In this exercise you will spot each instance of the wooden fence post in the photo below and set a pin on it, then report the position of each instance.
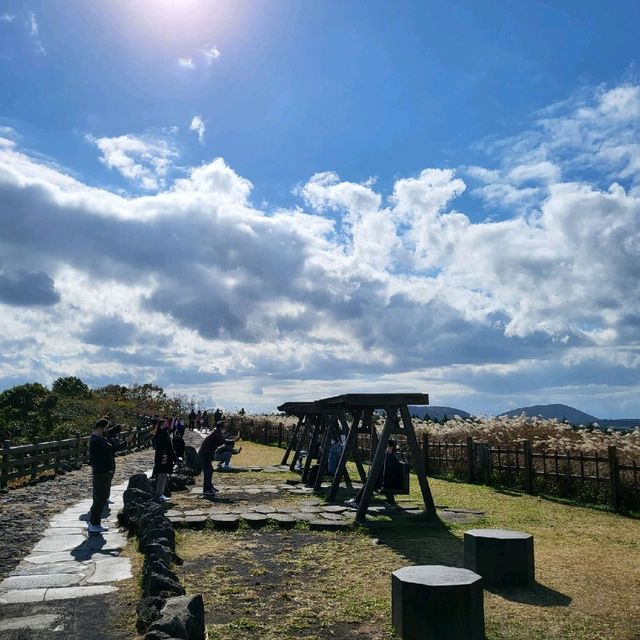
(280, 427)
(425, 451)
(34, 462)
(6, 456)
(614, 479)
(265, 436)
(470, 460)
(78, 460)
(528, 466)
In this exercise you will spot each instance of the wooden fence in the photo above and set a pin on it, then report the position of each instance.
(32, 460)
(588, 478)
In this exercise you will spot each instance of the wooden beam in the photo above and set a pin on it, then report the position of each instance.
(429, 505)
(377, 464)
(342, 465)
(300, 444)
(292, 441)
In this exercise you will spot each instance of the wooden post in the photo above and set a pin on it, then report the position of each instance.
(78, 459)
(614, 479)
(429, 504)
(292, 441)
(34, 462)
(265, 435)
(300, 444)
(279, 434)
(342, 465)
(376, 465)
(425, 451)
(6, 456)
(528, 466)
(331, 422)
(470, 460)
(314, 435)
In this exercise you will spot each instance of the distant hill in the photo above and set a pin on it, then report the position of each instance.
(550, 411)
(437, 412)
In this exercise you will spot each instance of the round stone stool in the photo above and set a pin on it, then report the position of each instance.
(434, 602)
(503, 558)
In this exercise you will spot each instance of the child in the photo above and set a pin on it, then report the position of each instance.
(223, 455)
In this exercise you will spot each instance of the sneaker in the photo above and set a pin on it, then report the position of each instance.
(96, 528)
(351, 503)
(220, 467)
(163, 499)
(228, 467)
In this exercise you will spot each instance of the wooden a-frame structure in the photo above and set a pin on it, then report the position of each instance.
(328, 417)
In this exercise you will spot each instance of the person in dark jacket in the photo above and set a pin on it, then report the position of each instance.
(389, 480)
(178, 445)
(206, 452)
(164, 459)
(101, 458)
(192, 420)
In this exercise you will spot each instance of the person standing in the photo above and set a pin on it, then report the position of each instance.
(206, 452)
(205, 421)
(198, 420)
(164, 459)
(192, 420)
(101, 458)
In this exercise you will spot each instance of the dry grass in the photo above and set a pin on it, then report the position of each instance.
(320, 585)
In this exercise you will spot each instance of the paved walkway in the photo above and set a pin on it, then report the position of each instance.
(65, 564)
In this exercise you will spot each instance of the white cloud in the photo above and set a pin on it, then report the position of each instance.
(7, 17)
(197, 125)
(194, 283)
(144, 160)
(34, 32)
(186, 63)
(211, 53)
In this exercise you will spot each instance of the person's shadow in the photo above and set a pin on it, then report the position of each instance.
(91, 546)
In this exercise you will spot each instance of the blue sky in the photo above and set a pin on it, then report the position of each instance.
(434, 196)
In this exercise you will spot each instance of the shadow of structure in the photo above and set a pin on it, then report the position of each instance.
(421, 541)
(537, 595)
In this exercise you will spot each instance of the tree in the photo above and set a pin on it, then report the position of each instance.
(71, 387)
(26, 411)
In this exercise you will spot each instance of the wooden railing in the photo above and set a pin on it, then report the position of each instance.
(569, 474)
(32, 460)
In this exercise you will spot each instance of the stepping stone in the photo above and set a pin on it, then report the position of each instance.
(304, 517)
(312, 502)
(254, 519)
(195, 522)
(270, 491)
(39, 622)
(218, 511)
(225, 521)
(284, 520)
(193, 512)
(20, 596)
(253, 492)
(71, 593)
(41, 581)
(177, 521)
(310, 509)
(59, 543)
(329, 525)
(334, 508)
(263, 508)
(287, 509)
(46, 558)
(331, 516)
(28, 569)
(111, 570)
(63, 531)
(273, 470)
(173, 513)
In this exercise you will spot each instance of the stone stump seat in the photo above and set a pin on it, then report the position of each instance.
(434, 602)
(502, 557)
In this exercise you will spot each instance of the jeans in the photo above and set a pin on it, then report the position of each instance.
(161, 483)
(101, 490)
(224, 457)
(207, 474)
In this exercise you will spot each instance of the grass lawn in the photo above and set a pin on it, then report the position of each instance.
(273, 584)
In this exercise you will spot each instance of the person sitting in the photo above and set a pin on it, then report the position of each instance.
(178, 445)
(223, 455)
(335, 452)
(388, 481)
